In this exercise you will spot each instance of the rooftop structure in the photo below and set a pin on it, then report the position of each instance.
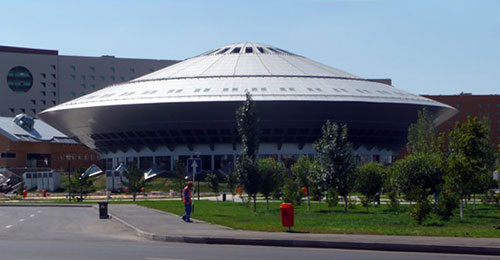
(188, 109)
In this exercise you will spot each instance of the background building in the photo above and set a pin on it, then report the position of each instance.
(482, 106)
(188, 109)
(31, 143)
(32, 80)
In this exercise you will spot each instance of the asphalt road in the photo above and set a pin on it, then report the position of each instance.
(77, 233)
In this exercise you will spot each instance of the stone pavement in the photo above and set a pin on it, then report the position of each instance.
(157, 225)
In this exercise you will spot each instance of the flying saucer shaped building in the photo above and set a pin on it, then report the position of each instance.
(188, 109)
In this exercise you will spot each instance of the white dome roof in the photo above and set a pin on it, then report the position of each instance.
(227, 72)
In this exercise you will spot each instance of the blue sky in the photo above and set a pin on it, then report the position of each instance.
(426, 47)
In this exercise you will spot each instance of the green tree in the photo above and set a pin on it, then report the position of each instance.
(180, 174)
(302, 170)
(316, 181)
(213, 183)
(291, 191)
(417, 176)
(134, 180)
(337, 159)
(82, 185)
(370, 180)
(422, 135)
(270, 172)
(470, 155)
(231, 181)
(246, 168)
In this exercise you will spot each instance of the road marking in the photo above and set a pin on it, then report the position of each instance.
(154, 258)
(39, 211)
(21, 220)
(32, 215)
(8, 226)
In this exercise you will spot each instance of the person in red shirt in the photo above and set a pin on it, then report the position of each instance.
(186, 199)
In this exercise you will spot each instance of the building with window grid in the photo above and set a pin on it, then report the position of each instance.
(32, 80)
(468, 105)
(188, 109)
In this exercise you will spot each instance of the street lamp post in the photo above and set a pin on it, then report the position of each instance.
(68, 158)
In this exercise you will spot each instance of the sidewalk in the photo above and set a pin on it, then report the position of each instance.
(160, 226)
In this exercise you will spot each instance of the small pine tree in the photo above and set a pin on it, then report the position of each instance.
(134, 180)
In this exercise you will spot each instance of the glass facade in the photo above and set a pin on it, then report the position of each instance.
(19, 79)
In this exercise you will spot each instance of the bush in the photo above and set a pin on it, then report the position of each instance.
(394, 203)
(447, 203)
(492, 198)
(291, 191)
(332, 198)
(420, 211)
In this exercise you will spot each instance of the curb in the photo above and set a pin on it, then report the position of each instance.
(45, 205)
(312, 243)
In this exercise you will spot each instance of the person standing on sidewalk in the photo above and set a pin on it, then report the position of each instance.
(186, 199)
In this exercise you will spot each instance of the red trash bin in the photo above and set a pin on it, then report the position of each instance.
(287, 213)
(25, 194)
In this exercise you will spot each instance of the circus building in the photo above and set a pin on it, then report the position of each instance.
(188, 109)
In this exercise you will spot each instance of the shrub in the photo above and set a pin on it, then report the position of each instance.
(394, 203)
(291, 191)
(420, 211)
(332, 198)
(447, 203)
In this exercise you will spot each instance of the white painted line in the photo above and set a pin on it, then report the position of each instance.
(32, 215)
(39, 211)
(21, 220)
(154, 258)
(8, 226)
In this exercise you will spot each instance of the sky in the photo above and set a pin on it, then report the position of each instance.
(426, 47)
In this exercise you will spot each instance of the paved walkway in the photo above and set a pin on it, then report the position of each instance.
(158, 225)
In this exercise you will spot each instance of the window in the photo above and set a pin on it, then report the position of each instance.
(197, 90)
(53, 75)
(310, 89)
(261, 49)
(170, 91)
(112, 69)
(54, 102)
(318, 89)
(255, 89)
(92, 68)
(33, 101)
(8, 155)
(283, 89)
(206, 90)
(83, 85)
(43, 93)
(235, 89)
(263, 89)
(178, 91)
(344, 90)
(73, 68)
(44, 84)
(222, 51)
(84, 77)
(248, 50)
(132, 70)
(480, 105)
(225, 90)
(236, 50)
(92, 85)
(336, 90)
(43, 75)
(53, 84)
(19, 79)
(291, 89)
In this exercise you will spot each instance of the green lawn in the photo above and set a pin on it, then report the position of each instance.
(380, 220)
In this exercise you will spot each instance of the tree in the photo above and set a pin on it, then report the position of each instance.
(370, 180)
(81, 184)
(180, 174)
(231, 181)
(302, 169)
(213, 183)
(248, 177)
(270, 172)
(422, 136)
(246, 119)
(134, 180)
(470, 155)
(337, 159)
(417, 176)
(316, 181)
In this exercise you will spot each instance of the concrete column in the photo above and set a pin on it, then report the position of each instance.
(212, 167)
(171, 162)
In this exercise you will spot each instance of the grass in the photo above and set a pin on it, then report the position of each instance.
(378, 221)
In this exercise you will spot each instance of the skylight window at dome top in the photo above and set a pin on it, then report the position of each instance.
(247, 48)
